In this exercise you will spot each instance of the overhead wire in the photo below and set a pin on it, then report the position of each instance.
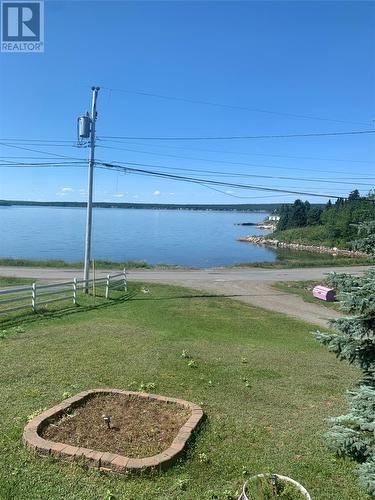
(49, 142)
(231, 106)
(236, 137)
(244, 153)
(209, 181)
(243, 175)
(219, 161)
(38, 151)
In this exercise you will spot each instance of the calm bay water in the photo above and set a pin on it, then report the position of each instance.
(181, 237)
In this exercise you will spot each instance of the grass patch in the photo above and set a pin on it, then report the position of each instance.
(61, 308)
(258, 419)
(11, 281)
(310, 235)
(304, 289)
(289, 259)
(298, 262)
(99, 264)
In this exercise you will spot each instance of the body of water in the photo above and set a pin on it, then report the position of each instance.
(181, 237)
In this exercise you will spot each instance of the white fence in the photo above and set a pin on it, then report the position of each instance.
(36, 295)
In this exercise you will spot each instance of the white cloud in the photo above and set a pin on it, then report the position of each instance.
(156, 193)
(67, 190)
(136, 196)
(171, 194)
(119, 195)
(228, 192)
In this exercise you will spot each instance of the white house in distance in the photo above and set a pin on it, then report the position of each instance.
(274, 218)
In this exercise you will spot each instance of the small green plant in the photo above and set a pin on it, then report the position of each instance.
(246, 382)
(182, 483)
(35, 413)
(245, 472)
(147, 386)
(244, 361)
(185, 354)
(19, 329)
(192, 364)
(109, 495)
(269, 487)
(203, 458)
(3, 334)
(227, 495)
(66, 395)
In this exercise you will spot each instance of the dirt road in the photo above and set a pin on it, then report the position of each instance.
(251, 285)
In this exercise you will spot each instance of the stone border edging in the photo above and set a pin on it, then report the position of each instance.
(105, 460)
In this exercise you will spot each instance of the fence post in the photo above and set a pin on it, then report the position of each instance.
(75, 291)
(125, 281)
(107, 286)
(33, 296)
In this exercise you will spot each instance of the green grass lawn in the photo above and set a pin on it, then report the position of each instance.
(311, 235)
(11, 281)
(264, 383)
(99, 264)
(304, 289)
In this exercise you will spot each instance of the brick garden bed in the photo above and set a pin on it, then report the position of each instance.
(154, 430)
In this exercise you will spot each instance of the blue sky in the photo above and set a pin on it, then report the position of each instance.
(293, 58)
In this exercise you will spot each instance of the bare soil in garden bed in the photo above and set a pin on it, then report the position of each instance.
(139, 427)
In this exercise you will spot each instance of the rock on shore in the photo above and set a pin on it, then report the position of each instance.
(256, 240)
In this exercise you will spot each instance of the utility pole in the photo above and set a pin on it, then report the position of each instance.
(86, 271)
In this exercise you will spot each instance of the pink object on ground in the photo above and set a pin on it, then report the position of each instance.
(324, 293)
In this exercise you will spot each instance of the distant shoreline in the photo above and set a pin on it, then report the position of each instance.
(140, 206)
(258, 208)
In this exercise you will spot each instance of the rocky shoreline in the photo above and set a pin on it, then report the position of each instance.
(256, 240)
(259, 225)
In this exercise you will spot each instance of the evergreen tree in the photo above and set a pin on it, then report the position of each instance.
(354, 195)
(353, 434)
(284, 218)
(313, 216)
(307, 206)
(367, 242)
(298, 216)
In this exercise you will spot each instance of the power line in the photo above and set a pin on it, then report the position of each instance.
(244, 175)
(227, 193)
(195, 180)
(38, 151)
(83, 164)
(51, 164)
(3, 158)
(38, 140)
(239, 152)
(230, 106)
(216, 161)
(223, 138)
(52, 142)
